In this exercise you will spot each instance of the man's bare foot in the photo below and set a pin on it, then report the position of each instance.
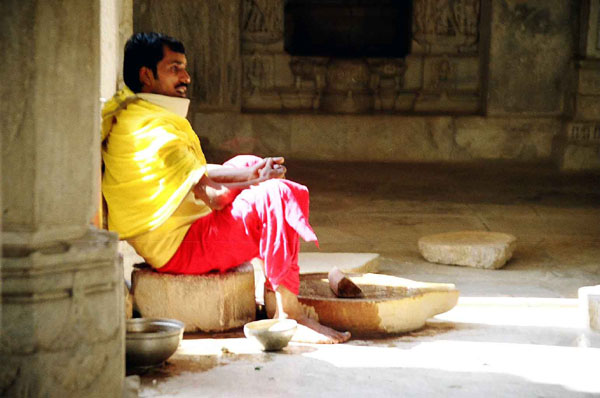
(309, 330)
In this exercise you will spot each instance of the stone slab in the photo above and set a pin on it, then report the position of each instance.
(581, 157)
(208, 303)
(346, 262)
(478, 249)
(589, 302)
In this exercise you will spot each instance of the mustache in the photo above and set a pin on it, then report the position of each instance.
(182, 85)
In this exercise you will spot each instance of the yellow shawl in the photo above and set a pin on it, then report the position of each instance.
(152, 159)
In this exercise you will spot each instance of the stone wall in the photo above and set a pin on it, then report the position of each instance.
(485, 79)
(531, 51)
(210, 32)
(580, 146)
(441, 74)
(380, 138)
(62, 305)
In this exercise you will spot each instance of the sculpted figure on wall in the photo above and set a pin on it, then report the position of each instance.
(444, 76)
(386, 82)
(310, 76)
(262, 21)
(446, 25)
(254, 75)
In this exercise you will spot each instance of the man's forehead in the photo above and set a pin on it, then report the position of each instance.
(172, 57)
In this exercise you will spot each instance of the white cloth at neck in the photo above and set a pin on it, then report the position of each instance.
(177, 105)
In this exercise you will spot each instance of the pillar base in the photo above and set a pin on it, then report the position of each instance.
(63, 320)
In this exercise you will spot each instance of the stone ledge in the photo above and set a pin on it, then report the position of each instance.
(208, 303)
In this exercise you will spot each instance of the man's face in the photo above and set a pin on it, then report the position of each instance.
(171, 77)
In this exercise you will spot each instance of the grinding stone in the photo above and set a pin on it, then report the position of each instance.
(391, 304)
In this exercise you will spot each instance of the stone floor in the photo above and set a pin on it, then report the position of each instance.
(516, 331)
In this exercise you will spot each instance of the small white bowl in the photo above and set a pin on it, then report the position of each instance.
(271, 334)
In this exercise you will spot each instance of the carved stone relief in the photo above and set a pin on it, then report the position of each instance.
(446, 25)
(332, 85)
(450, 84)
(584, 133)
(310, 74)
(386, 83)
(257, 73)
(262, 21)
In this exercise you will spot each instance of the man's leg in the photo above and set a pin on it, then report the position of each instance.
(281, 207)
(263, 221)
(309, 330)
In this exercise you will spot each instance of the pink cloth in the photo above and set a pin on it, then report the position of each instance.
(263, 221)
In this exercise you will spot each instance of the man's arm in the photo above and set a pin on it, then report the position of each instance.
(220, 173)
(218, 194)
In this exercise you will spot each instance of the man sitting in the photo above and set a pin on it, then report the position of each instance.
(183, 216)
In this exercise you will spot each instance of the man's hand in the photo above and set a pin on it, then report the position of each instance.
(221, 186)
(269, 168)
(263, 170)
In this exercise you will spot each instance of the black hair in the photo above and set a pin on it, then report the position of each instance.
(145, 49)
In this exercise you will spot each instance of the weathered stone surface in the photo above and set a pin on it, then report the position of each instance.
(62, 320)
(589, 41)
(479, 249)
(578, 157)
(46, 130)
(391, 304)
(589, 302)
(378, 138)
(586, 107)
(128, 303)
(499, 138)
(210, 31)
(531, 48)
(208, 303)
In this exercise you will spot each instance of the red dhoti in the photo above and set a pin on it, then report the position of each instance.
(263, 221)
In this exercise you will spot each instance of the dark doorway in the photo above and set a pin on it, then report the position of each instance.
(348, 28)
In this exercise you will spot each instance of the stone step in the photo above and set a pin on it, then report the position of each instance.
(208, 303)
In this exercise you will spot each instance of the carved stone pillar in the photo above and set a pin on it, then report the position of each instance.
(582, 134)
(62, 312)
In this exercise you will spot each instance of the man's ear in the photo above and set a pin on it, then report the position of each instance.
(146, 76)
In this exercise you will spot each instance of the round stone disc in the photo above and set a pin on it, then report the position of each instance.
(479, 249)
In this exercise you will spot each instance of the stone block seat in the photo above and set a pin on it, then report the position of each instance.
(208, 303)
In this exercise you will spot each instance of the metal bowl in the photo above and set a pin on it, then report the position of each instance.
(271, 334)
(150, 341)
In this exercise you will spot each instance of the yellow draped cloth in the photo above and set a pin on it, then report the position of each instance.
(152, 159)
